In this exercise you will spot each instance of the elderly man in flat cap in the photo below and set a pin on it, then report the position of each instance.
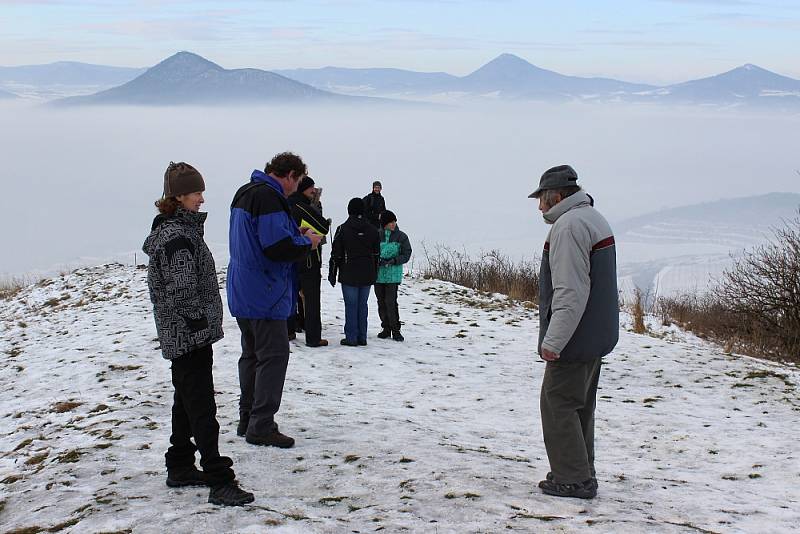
(579, 324)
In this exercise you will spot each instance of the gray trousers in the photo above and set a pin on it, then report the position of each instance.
(567, 402)
(262, 371)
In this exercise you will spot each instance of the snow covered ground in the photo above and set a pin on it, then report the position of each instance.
(437, 434)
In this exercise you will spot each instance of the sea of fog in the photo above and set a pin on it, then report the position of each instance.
(78, 184)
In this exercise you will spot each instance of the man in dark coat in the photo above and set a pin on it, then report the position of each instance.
(356, 249)
(265, 243)
(374, 205)
(306, 215)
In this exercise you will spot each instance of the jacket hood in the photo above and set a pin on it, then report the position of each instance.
(181, 216)
(577, 200)
(299, 198)
(259, 176)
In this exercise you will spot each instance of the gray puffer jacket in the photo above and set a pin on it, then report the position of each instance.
(578, 299)
(183, 284)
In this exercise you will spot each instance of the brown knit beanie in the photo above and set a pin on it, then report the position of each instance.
(182, 179)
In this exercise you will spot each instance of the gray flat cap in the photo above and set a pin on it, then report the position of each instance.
(556, 178)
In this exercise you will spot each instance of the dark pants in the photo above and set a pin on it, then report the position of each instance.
(194, 414)
(355, 312)
(387, 306)
(262, 371)
(310, 286)
(568, 398)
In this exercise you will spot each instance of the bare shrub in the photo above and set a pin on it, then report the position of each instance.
(755, 306)
(10, 286)
(638, 312)
(491, 272)
(762, 288)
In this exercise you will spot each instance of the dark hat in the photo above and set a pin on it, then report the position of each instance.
(387, 217)
(355, 206)
(182, 179)
(305, 183)
(376, 182)
(556, 178)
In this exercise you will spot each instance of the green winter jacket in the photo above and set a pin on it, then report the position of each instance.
(395, 251)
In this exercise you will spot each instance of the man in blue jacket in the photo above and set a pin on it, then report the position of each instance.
(264, 244)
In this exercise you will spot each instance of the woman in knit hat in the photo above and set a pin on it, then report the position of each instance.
(184, 290)
(356, 246)
(395, 251)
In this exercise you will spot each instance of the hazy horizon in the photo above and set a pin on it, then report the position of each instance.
(648, 41)
(81, 182)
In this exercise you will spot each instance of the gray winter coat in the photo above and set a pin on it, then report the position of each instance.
(183, 284)
(578, 300)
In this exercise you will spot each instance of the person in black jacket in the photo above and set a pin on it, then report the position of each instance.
(182, 280)
(308, 268)
(356, 248)
(374, 205)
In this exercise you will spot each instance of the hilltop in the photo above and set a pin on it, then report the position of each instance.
(440, 433)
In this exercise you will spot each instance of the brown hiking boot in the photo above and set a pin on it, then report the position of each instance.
(322, 343)
(273, 439)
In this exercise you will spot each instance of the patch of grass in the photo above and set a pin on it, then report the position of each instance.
(546, 518)
(65, 406)
(70, 457)
(36, 458)
(754, 475)
(350, 458)
(10, 479)
(65, 524)
(124, 367)
(99, 408)
(405, 460)
(328, 500)
(24, 443)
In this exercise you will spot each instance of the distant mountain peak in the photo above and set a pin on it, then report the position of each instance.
(509, 60)
(186, 59)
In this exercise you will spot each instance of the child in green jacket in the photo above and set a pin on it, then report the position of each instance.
(395, 251)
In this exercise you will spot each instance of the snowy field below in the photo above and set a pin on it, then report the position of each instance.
(437, 434)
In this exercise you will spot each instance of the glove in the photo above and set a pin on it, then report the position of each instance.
(332, 271)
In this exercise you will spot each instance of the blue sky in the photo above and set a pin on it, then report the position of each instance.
(656, 41)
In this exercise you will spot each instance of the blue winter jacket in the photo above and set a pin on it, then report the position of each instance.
(264, 244)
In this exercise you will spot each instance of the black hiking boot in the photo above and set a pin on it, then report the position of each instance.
(397, 336)
(186, 476)
(581, 490)
(385, 333)
(362, 342)
(241, 428)
(273, 439)
(347, 343)
(230, 494)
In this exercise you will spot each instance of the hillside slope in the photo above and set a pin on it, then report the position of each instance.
(438, 434)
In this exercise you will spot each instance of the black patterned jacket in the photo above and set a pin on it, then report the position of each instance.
(183, 284)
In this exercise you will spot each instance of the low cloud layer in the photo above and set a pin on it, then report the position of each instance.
(82, 182)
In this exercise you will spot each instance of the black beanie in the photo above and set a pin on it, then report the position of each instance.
(387, 217)
(355, 206)
(305, 183)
